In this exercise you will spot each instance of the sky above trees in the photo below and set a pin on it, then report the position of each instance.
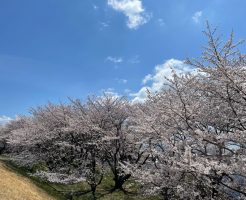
(50, 50)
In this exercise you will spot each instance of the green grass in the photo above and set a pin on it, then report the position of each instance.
(62, 191)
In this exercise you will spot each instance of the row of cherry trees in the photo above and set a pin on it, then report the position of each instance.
(187, 141)
(75, 142)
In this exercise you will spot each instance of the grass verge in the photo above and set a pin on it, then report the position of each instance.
(79, 191)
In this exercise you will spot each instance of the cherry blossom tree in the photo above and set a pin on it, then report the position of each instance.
(110, 114)
(194, 129)
(61, 139)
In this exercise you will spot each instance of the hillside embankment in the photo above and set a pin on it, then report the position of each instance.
(16, 187)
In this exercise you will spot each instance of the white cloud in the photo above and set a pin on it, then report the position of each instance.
(104, 24)
(161, 22)
(127, 91)
(121, 81)
(115, 60)
(118, 60)
(111, 92)
(95, 7)
(147, 78)
(154, 82)
(196, 17)
(141, 95)
(133, 10)
(4, 119)
(134, 60)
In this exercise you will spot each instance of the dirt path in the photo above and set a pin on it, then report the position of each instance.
(17, 187)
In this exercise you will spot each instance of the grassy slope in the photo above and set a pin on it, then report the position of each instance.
(60, 191)
(17, 187)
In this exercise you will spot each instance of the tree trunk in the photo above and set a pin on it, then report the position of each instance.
(2, 146)
(93, 173)
(164, 193)
(120, 180)
(93, 190)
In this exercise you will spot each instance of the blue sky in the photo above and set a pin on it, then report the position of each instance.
(54, 49)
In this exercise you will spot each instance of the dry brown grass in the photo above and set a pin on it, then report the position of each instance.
(17, 187)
